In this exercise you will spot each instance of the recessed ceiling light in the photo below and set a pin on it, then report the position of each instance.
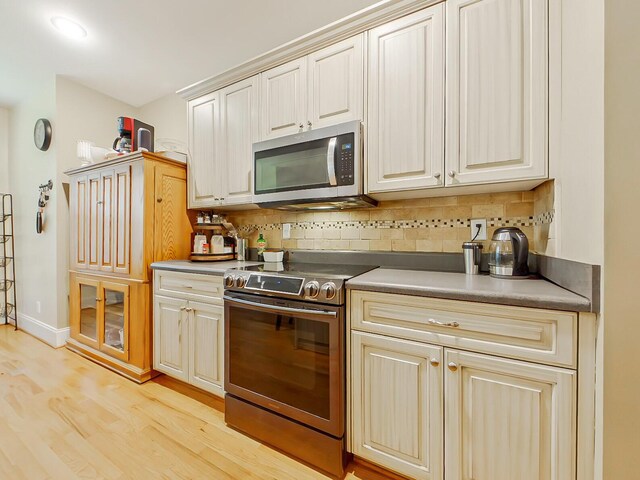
(69, 27)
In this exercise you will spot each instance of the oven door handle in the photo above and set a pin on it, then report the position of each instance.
(277, 309)
(331, 161)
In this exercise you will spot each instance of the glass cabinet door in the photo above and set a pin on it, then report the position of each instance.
(88, 298)
(115, 325)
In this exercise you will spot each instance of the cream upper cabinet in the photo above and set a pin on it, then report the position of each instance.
(405, 119)
(321, 89)
(336, 83)
(239, 124)
(506, 419)
(397, 404)
(205, 168)
(496, 90)
(284, 99)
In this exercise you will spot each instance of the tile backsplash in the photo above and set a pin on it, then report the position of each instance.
(419, 225)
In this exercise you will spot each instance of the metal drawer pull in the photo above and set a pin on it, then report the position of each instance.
(431, 321)
(187, 286)
(435, 362)
(189, 309)
(278, 309)
(183, 308)
(452, 366)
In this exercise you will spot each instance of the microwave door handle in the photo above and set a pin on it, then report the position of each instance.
(277, 309)
(331, 161)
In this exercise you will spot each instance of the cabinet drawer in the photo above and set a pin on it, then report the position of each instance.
(544, 336)
(188, 286)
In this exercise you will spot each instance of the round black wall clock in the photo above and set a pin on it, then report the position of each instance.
(42, 134)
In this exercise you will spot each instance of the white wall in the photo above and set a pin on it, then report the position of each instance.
(4, 150)
(622, 257)
(82, 114)
(168, 115)
(35, 255)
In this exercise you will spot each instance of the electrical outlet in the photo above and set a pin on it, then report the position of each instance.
(38, 306)
(482, 234)
(286, 231)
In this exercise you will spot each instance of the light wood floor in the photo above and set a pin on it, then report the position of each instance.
(63, 417)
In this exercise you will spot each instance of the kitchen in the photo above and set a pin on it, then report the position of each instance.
(462, 119)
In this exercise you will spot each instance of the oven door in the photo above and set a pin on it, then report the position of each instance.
(287, 357)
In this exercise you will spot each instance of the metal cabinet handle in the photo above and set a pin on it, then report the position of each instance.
(98, 299)
(183, 308)
(301, 126)
(434, 362)
(431, 321)
(436, 175)
(189, 309)
(159, 200)
(99, 202)
(452, 173)
(453, 366)
(187, 286)
(309, 124)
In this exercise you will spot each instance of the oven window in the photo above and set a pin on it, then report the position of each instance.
(281, 357)
(294, 167)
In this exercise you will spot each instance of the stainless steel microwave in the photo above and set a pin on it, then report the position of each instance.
(315, 170)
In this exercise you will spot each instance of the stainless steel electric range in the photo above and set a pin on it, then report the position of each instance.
(285, 357)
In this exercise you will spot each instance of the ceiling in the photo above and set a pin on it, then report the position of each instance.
(138, 51)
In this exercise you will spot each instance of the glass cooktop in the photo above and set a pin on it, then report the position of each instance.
(311, 269)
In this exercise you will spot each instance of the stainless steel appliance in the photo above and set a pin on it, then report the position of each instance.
(315, 170)
(285, 358)
(509, 253)
(472, 257)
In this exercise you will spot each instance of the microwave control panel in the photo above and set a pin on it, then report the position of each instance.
(345, 168)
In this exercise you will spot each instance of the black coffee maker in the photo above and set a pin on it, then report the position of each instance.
(134, 135)
(509, 254)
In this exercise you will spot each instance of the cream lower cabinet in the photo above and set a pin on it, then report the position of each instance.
(433, 411)
(398, 389)
(189, 334)
(507, 419)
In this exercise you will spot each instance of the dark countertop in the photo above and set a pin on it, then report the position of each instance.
(534, 293)
(203, 268)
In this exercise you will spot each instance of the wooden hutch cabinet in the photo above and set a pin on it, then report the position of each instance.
(125, 214)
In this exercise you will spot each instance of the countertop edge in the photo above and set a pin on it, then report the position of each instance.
(517, 301)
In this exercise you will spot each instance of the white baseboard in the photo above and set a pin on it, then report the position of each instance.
(56, 337)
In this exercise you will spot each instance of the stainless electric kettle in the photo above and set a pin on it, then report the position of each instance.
(509, 253)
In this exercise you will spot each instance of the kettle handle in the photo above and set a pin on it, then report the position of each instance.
(115, 142)
(520, 253)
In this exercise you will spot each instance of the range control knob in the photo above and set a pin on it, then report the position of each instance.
(328, 290)
(240, 282)
(228, 281)
(312, 289)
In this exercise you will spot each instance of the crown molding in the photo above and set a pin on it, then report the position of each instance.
(358, 22)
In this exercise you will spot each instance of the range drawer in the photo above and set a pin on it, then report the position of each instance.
(189, 286)
(545, 336)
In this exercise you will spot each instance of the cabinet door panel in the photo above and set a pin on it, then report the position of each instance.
(496, 90)
(106, 220)
(171, 337)
(507, 419)
(121, 219)
(406, 102)
(78, 192)
(205, 184)
(172, 228)
(85, 310)
(336, 83)
(397, 404)
(93, 232)
(240, 129)
(114, 323)
(206, 347)
(284, 97)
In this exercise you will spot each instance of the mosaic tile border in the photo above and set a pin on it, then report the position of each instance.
(531, 221)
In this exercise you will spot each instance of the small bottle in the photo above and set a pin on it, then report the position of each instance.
(262, 245)
(200, 218)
